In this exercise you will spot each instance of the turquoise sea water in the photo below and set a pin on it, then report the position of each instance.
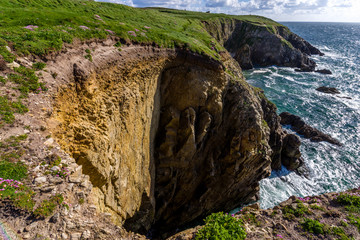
(332, 168)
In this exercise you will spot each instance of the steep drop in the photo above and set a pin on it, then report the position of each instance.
(165, 136)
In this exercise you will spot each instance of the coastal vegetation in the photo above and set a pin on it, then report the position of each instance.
(222, 226)
(40, 27)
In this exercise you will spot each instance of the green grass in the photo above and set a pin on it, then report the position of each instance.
(313, 226)
(8, 108)
(59, 22)
(290, 212)
(27, 80)
(38, 66)
(221, 226)
(47, 207)
(350, 201)
(9, 170)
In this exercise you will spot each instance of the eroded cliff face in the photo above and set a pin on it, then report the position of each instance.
(167, 136)
(109, 119)
(212, 146)
(254, 44)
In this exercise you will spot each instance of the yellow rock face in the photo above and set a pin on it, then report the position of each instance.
(108, 123)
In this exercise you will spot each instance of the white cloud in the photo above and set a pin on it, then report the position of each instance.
(281, 10)
(220, 3)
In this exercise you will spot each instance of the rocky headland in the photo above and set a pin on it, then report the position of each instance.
(128, 134)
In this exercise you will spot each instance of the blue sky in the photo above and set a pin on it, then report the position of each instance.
(280, 10)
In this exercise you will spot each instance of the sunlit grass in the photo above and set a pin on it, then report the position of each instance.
(41, 26)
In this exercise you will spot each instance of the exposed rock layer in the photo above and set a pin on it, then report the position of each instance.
(211, 147)
(285, 147)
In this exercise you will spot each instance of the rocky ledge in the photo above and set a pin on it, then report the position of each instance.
(299, 126)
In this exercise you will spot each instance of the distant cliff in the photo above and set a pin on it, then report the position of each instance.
(258, 44)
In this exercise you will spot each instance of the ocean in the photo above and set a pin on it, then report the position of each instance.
(332, 168)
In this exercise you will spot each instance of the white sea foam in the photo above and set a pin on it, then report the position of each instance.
(332, 168)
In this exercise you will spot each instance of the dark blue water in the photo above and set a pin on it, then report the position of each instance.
(332, 168)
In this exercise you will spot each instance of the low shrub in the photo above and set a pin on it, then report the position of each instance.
(313, 226)
(221, 226)
(38, 66)
(47, 207)
(351, 201)
(290, 212)
(15, 171)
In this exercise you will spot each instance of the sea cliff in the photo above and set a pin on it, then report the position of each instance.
(142, 132)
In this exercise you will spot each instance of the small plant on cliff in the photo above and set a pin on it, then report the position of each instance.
(313, 226)
(290, 212)
(62, 173)
(251, 218)
(354, 220)
(54, 160)
(8, 108)
(39, 66)
(47, 207)
(19, 195)
(351, 201)
(221, 226)
(88, 55)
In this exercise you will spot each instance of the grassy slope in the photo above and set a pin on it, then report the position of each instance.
(60, 21)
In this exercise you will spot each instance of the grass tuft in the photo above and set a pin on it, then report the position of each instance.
(221, 226)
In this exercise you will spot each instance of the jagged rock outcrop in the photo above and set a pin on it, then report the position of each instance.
(285, 146)
(255, 44)
(298, 125)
